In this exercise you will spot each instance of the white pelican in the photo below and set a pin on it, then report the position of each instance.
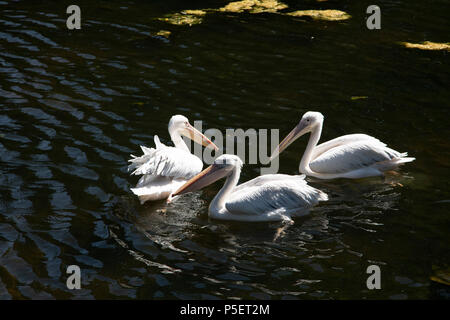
(350, 156)
(164, 168)
(272, 197)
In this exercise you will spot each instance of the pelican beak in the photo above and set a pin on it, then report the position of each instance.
(296, 133)
(203, 179)
(198, 137)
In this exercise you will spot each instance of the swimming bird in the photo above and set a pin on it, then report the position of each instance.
(272, 197)
(350, 156)
(165, 168)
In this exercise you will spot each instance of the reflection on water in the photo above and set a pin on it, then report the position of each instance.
(75, 104)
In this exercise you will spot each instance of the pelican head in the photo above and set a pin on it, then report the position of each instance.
(308, 123)
(181, 125)
(222, 167)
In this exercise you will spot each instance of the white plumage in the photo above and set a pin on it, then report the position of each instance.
(343, 140)
(164, 169)
(166, 161)
(274, 196)
(353, 156)
(265, 198)
(350, 156)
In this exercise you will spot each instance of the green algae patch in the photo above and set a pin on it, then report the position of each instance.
(254, 6)
(327, 15)
(427, 45)
(187, 17)
(191, 17)
(163, 33)
(441, 275)
(194, 12)
(353, 98)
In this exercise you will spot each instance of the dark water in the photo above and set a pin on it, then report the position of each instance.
(75, 104)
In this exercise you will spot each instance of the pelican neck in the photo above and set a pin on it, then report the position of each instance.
(177, 140)
(218, 203)
(307, 155)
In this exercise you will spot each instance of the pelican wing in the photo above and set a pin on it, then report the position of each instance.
(343, 140)
(165, 161)
(268, 178)
(272, 194)
(353, 156)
